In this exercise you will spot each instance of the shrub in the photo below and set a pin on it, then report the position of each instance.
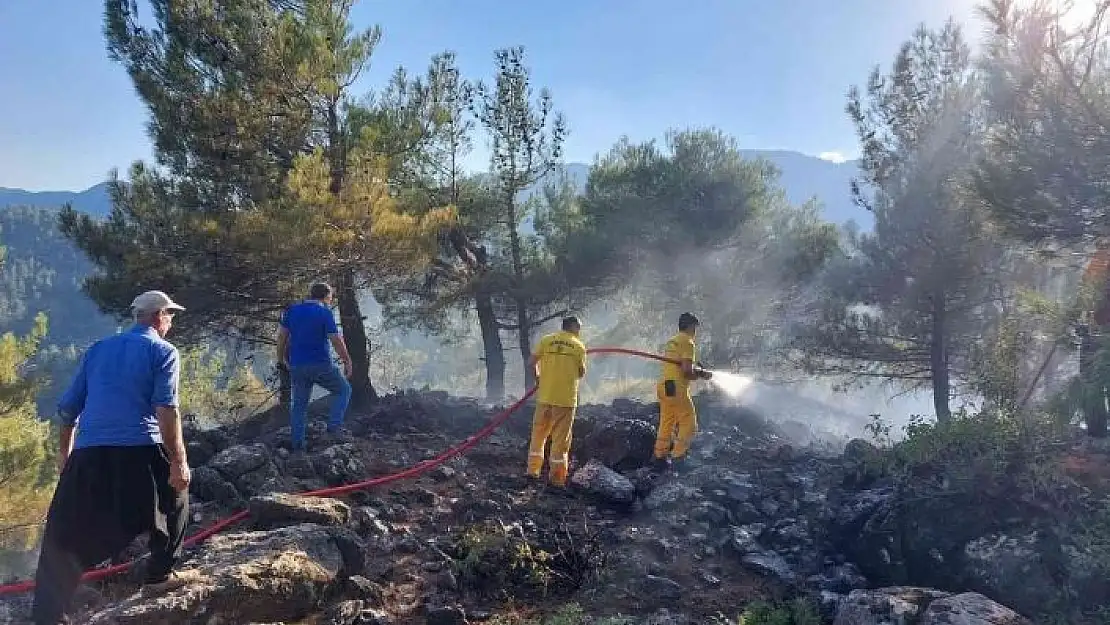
(499, 560)
(800, 611)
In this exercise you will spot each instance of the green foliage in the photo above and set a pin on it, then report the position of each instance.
(985, 456)
(213, 223)
(502, 561)
(26, 463)
(215, 394)
(1092, 539)
(908, 301)
(41, 272)
(495, 560)
(569, 614)
(526, 141)
(694, 225)
(796, 612)
(693, 194)
(396, 366)
(1047, 76)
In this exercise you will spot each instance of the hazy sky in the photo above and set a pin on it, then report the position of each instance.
(771, 72)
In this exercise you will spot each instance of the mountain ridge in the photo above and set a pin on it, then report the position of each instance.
(801, 176)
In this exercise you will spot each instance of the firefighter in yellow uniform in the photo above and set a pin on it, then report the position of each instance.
(560, 360)
(678, 421)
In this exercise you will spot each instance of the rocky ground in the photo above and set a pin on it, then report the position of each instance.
(752, 518)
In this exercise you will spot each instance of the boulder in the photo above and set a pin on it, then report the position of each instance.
(886, 606)
(209, 485)
(970, 608)
(620, 444)
(770, 564)
(671, 494)
(354, 612)
(275, 576)
(276, 509)
(604, 483)
(839, 579)
(340, 464)
(922, 606)
(239, 460)
(1011, 568)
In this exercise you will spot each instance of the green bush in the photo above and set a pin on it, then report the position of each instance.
(569, 614)
(215, 394)
(799, 611)
(989, 453)
(503, 561)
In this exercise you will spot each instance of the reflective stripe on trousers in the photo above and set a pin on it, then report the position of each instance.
(555, 423)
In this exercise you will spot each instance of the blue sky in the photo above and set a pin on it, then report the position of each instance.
(773, 73)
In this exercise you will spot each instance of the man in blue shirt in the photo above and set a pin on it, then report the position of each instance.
(306, 330)
(125, 472)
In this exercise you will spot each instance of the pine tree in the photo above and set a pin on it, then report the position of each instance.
(26, 465)
(909, 301)
(241, 95)
(526, 141)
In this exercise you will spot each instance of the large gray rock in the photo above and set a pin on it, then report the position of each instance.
(770, 564)
(604, 483)
(276, 576)
(620, 444)
(671, 494)
(970, 608)
(339, 464)
(886, 606)
(209, 485)
(922, 606)
(276, 509)
(1011, 568)
(240, 459)
(354, 612)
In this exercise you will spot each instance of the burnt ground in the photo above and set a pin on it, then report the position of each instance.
(471, 533)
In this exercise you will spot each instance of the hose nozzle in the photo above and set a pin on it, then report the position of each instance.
(702, 372)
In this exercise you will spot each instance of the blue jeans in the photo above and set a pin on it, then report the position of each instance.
(303, 378)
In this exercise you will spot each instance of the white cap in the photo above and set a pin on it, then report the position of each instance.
(155, 300)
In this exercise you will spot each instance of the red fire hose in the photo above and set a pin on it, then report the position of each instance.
(497, 421)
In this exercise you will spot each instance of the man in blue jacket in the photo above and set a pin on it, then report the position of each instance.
(124, 472)
(307, 328)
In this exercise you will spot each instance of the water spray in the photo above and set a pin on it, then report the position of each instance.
(732, 384)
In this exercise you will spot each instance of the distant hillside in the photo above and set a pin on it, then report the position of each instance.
(804, 177)
(94, 200)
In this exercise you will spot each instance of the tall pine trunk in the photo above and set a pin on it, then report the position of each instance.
(350, 313)
(525, 342)
(354, 335)
(524, 324)
(938, 360)
(491, 346)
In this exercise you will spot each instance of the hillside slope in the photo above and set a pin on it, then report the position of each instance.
(94, 200)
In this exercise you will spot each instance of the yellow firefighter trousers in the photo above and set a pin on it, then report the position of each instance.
(678, 422)
(554, 422)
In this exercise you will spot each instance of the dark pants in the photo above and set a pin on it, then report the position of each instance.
(105, 498)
